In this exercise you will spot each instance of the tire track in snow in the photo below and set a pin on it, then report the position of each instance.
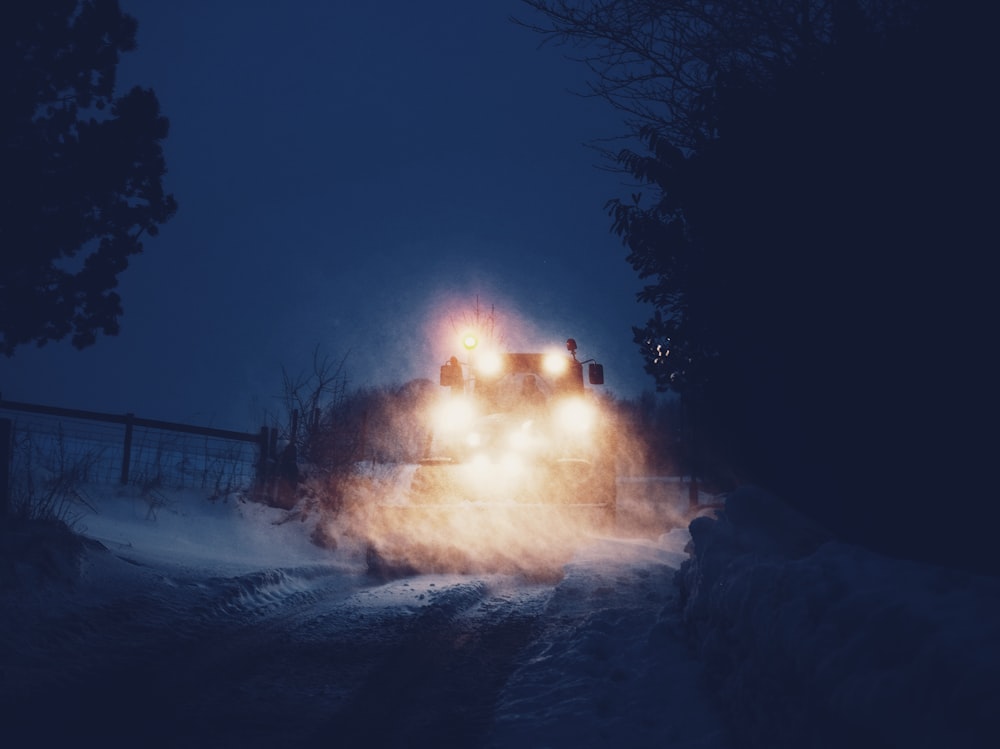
(265, 658)
(111, 667)
(438, 684)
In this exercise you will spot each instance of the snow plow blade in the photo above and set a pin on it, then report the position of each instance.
(454, 521)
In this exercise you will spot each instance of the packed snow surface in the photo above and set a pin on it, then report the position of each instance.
(227, 615)
(214, 623)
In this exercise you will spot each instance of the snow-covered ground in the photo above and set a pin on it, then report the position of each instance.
(809, 642)
(592, 658)
(219, 623)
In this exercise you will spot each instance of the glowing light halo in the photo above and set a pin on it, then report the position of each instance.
(470, 341)
(454, 415)
(555, 364)
(489, 362)
(576, 415)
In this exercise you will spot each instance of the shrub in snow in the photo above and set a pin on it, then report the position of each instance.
(814, 643)
(38, 551)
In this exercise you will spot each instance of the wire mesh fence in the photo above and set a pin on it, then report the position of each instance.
(46, 446)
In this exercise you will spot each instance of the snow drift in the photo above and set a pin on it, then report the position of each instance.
(811, 642)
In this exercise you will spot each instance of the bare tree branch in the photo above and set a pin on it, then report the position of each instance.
(315, 395)
(653, 60)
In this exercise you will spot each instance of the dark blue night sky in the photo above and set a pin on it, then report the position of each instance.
(352, 177)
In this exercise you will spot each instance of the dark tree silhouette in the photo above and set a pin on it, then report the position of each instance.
(654, 60)
(818, 262)
(80, 170)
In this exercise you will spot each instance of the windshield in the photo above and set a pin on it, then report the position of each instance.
(522, 378)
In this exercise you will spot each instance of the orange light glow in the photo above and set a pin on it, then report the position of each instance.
(576, 415)
(555, 364)
(489, 363)
(453, 415)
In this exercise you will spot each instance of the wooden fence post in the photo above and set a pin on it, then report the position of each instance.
(262, 455)
(127, 452)
(6, 457)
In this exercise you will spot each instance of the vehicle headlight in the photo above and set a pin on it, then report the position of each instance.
(555, 364)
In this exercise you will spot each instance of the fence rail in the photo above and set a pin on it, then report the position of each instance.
(126, 419)
(129, 448)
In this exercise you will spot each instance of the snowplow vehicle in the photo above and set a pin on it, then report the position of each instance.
(519, 466)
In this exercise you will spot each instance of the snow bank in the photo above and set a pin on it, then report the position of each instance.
(229, 535)
(814, 643)
(610, 667)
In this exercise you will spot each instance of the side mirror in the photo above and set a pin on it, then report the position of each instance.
(451, 375)
(595, 373)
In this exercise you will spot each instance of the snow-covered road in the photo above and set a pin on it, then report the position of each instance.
(216, 624)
